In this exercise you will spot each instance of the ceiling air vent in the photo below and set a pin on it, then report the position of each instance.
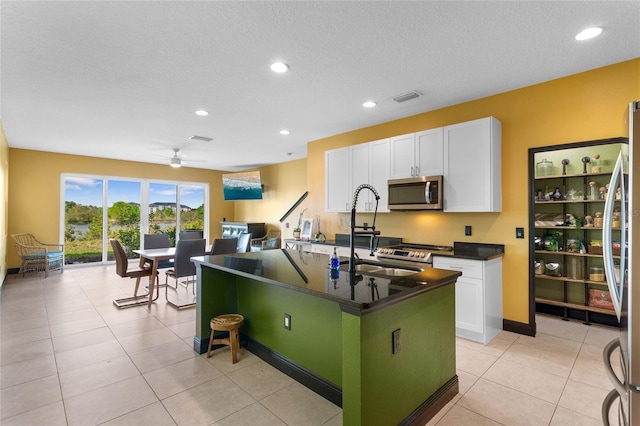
(200, 138)
(407, 96)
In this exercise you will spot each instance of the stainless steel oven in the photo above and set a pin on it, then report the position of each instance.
(413, 253)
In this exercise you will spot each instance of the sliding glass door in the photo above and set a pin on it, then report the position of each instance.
(99, 208)
(123, 216)
(162, 210)
(83, 219)
(192, 201)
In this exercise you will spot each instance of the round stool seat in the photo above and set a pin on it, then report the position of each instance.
(227, 321)
(230, 323)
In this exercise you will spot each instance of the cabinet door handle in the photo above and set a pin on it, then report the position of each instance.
(417, 170)
(412, 171)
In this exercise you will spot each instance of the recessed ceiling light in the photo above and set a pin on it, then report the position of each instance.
(202, 112)
(369, 104)
(284, 132)
(589, 33)
(279, 67)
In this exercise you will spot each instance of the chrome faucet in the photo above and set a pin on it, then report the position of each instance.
(366, 229)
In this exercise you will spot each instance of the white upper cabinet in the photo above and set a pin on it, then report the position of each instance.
(378, 175)
(472, 166)
(337, 180)
(417, 154)
(348, 168)
(403, 156)
(430, 147)
(467, 155)
(360, 158)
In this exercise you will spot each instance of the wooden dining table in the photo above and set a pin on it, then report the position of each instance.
(155, 256)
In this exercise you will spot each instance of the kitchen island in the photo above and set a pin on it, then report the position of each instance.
(340, 336)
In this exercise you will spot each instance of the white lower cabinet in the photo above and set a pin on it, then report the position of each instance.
(322, 248)
(478, 296)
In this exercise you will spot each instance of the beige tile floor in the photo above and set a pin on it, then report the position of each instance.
(69, 357)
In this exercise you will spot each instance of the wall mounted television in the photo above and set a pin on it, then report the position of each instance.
(242, 186)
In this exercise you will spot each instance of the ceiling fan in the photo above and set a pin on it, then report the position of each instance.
(176, 161)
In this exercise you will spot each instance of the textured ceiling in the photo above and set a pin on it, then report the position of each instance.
(119, 79)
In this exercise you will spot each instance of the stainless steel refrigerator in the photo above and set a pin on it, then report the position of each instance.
(622, 354)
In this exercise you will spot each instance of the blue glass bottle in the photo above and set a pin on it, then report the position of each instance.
(335, 261)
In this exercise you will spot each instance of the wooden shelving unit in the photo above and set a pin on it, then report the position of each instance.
(568, 294)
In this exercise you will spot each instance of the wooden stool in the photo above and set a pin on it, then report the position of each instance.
(230, 323)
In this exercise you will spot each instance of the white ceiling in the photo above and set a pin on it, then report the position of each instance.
(122, 79)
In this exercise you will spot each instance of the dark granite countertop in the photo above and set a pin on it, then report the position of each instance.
(461, 250)
(474, 251)
(361, 241)
(309, 273)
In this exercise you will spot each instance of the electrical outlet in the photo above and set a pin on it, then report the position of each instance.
(287, 322)
(286, 225)
(395, 341)
(519, 232)
(467, 230)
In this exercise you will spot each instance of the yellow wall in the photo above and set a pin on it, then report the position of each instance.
(283, 185)
(34, 190)
(4, 196)
(590, 105)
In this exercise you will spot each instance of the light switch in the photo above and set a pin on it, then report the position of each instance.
(287, 322)
(395, 341)
(519, 232)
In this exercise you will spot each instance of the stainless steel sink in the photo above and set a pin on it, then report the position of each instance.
(391, 271)
(367, 268)
(397, 272)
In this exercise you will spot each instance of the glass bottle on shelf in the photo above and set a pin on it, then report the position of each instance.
(615, 218)
(575, 268)
(595, 164)
(588, 221)
(544, 168)
(602, 194)
(593, 190)
(597, 220)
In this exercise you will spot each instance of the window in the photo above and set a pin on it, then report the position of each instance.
(98, 208)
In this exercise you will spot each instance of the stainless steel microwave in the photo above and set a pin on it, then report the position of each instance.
(416, 193)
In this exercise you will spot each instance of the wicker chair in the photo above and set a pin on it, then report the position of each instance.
(37, 256)
(268, 242)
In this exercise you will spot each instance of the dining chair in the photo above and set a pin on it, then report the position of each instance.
(224, 246)
(125, 270)
(190, 234)
(184, 267)
(244, 242)
(154, 241)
